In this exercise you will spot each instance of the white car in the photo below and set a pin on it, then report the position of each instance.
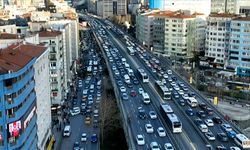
(152, 115)
(181, 92)
(185, 96)
(169, 72)
(210, 136)
(140, 139)
(149, 128)
(168, 146)
(165, 76)
(154, 146)
(161, 132)
(123, 89)
(177, 88)
(84, 137)
(140, 90)
(209, 122)
(173, 83)
(75, 111)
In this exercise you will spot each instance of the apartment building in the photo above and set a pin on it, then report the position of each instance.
(230, 6)
(239, 49)
(19, 108)
(217, 38)
(109, 8)
(55, 41)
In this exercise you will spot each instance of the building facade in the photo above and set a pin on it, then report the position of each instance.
(55, 41)
(18, 97)
(109, 8)
(217, 38)
(239, 49)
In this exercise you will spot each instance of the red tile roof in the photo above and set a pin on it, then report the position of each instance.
(16, 56)
(49, 33)
(223, 15)
(173, 14)
(8, 36)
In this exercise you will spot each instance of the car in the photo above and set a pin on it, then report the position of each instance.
(75, 111)
(154, 146)
(94, 138)
(149, 128)
(182, 102)
(201, 114)
(140, 90)
(169, 72)
(209, 111)
(203, 128)
(124, 96)
(198, 121)
(87, 120)
(170, 80)
(203, 106)
(83, 106)
(221, 147)
(209, 122)
(217, 120)
(129, 85)
(222, 137)
(142, 113)
(123, 89)
(135, 81)
(152, 114)
(95, 123)
(231, 134)
(76, 146)
(161, 132)
(133, 93)
(210, 136)
(173, 84)
(190, 111)
(177, 88)
(226, 127)
(176, 95)
(181, 92)
(234, 148)
(84, 137)
(185, 88)
(165, 76)
(191, 94)
(140, 139)
(168, 146)
(90, 97)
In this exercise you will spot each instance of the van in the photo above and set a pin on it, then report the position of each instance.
(67, 131)
(203, 128)
(146, 99)
(127, 78)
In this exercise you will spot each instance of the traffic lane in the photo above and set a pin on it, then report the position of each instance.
(185, 144)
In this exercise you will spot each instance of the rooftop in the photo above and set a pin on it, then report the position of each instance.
(18, 55)
(49, 33)
(243, 18)
(8, 36)
(223, 15)
(173, 14)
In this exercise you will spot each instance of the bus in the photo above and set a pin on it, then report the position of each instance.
(143, 75)
(131, 51)
(242, 141)
(192, 102)
(162, 89)
(171, 119)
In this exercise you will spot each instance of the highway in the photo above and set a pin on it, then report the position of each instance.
(191, 129)
(114, 47)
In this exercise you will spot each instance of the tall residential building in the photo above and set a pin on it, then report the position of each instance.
(109, 8)
(55, 41)
(230, 6)
(179, 35)
(144, 28)
(18, 107)
(43, 100)
(239, 49)
(92, 6)
(191, 6)
(217, 38)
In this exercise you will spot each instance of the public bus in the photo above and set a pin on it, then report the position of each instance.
(131, 51)
(162, 89)
(242, 141)
(171, 119)
(143, 76)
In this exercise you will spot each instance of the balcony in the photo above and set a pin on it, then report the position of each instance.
(18, 85)
(18, 100)
(21, 111)
(27, 136)
(54, 75)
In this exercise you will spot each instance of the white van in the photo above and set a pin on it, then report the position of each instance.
(146, 99)
(203, 128)
(67, 131)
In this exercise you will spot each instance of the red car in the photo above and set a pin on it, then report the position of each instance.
(133, 93)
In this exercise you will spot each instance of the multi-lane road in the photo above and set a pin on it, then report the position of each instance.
(114, 45)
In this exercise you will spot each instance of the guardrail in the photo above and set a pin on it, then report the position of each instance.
(126, 127)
